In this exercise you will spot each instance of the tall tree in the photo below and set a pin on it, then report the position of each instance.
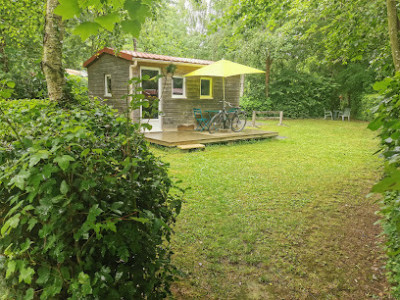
(96, 16)
(52, 53)
(393, 25)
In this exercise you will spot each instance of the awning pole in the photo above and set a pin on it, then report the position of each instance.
(223, 92)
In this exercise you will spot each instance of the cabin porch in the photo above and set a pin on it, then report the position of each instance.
(175, 138)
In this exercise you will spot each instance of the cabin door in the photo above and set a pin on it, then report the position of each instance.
(152, 92)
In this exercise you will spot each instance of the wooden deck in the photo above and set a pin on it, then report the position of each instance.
(175, 138)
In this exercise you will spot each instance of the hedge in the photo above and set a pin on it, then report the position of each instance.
(387, 121)
(86, 208)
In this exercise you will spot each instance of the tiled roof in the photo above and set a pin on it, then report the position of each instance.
(131, 55)
(76, 72)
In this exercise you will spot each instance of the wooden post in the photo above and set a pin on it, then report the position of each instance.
(253, 119)
(280, 118)
(241, 85)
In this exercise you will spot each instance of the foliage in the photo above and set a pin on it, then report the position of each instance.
(254, 97)
(166, 33)
(337, 31)
(101, 23)
(31, 82)
(310, 37)
(302, 95)
(105, 15)
(354, 81)
(387, 120)
(21, 24)
(343, 31)
(86, 209)
(178, 28)
(368, 103)
(76, 88)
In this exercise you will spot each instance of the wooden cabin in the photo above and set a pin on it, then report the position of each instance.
(109, 73)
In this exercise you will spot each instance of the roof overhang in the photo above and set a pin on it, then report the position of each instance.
(127, 56)
(166, 62)
(106, 51)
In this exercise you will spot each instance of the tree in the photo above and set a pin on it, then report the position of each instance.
(167, 32)
(94, 16)
(52, 53)
(394, 28)
(264, 46)
(311, 38)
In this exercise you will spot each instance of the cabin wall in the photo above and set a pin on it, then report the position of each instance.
(179, 111)
(176, 111)
(119, 70)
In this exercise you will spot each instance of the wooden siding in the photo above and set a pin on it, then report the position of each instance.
(179, 111)
(176, 111)
(119, 70)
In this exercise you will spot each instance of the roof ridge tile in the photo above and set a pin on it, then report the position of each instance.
(131, 55)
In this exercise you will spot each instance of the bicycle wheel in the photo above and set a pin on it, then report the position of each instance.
(216, 123)
(239, 121)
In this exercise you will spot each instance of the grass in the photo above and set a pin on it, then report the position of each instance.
(280, 219)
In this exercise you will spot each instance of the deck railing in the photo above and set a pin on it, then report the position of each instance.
(280, 117)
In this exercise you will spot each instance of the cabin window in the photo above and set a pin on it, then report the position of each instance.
(178, 87)
(107, 85)
(206, 88)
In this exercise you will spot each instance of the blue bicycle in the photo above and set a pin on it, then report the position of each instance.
(234, 118)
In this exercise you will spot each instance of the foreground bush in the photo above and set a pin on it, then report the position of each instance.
(86, 208)
(388, 121)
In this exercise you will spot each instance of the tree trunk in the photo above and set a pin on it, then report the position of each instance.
(393, 33)
(268, 63)
(52, 53)
(134, 44)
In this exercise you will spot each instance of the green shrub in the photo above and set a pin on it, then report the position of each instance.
(355, 80)
(76, 88)
(297, 94)
(302, 95)
(30, 81)
(387, 119)
(367, 104)
(86, 208)
(254, 97)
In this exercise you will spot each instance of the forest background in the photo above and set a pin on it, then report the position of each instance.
(313, 52)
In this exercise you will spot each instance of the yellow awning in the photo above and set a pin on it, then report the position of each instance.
(224, 68)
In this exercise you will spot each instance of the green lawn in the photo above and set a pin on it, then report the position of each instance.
(280, 219)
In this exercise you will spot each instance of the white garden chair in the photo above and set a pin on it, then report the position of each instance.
(328, 113)
(345, 114)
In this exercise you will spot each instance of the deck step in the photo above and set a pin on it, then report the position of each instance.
(191, 147)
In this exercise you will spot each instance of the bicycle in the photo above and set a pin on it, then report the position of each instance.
(235, 119)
